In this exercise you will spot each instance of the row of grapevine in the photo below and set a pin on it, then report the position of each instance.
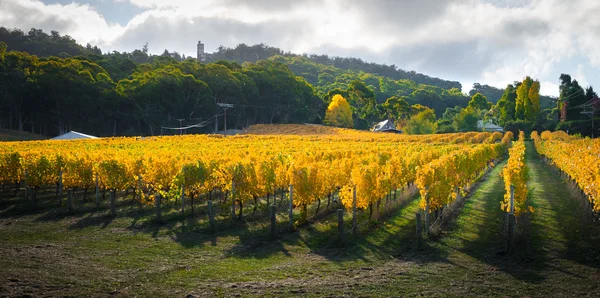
(441, 180)
(578, 158)
(256, 165)
(515, 175)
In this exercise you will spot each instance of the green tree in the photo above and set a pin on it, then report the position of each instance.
(362, 99)
(395, 108)
(422, 123)
(479, 102)
(339, 113)
(466, 120)
(523, 103)
(506, 105)
(533, 108)
(2, 50)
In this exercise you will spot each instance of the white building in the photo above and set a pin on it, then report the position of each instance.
(73, 135)
(488, 126)
(386, 126)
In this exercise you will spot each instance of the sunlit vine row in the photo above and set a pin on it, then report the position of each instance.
(251, 166)
(578, 158)
(515, 174)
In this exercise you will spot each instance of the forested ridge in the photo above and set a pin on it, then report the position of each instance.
(49, 84)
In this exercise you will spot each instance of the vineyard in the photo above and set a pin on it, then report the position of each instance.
(325, 199)
(247, 168)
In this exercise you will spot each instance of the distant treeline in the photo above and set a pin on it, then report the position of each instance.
(50, 84)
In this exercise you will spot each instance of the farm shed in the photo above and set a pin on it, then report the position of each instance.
(73, 135)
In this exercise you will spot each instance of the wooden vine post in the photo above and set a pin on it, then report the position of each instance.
(272, 214)
(354, 227)
(97, 192)
(232, 200)
(340, 218)
(157, 206)
(427, 210)
(182, 199)
(60, 186)
(70, 200)
(419, 231)
(26, 187)
(113, 203)
(211, 216)
(291, 210)
(139, 188)
(510, 219)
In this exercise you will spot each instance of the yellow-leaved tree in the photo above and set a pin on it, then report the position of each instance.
(339, 113)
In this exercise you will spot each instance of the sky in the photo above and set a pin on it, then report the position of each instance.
(494, 42)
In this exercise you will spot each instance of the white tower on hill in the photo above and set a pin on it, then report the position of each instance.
(201, 54)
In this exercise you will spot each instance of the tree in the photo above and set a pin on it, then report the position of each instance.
(491, 93)
(395, 108)
(362, 99)
(506, 105)
(2, 51)
(339, 113)
(422, 123)
(478, 102)
(523, 103)
(533, 111)
(466, 120)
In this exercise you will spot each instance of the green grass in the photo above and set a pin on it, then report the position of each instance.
(89, 253)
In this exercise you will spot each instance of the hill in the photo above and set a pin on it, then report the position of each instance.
(244, 53)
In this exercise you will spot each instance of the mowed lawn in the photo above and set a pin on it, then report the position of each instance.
(90, 253)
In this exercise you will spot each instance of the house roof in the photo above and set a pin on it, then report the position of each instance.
(73, 135)
(385, 124)
(488, 126)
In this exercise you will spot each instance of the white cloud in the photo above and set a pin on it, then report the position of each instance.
(488, 41)
(81, 22)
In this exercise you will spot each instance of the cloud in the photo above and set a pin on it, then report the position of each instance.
(81, 22)
(488, 41)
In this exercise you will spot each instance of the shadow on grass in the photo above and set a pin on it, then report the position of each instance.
(569, 218)
(479, 233)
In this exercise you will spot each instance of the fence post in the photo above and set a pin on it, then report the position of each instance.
(340, 216)
(232, 200)
(97, 192)
(34, 199)
(113, 203)
(354, 210)
(272, 213)
(419, 232)
(70, 200)
(182, 199)
(291, 211)
(157, 205)
(512, 199)
(211, 216)
(139, 188)
(510, 220)
(26, 187)
(427, 210)
(60, 186)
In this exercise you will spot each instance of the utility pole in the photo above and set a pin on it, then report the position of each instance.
(180, 130)
(590, 108)
(225, 106)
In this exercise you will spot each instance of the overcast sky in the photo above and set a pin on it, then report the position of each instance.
(492, 42)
